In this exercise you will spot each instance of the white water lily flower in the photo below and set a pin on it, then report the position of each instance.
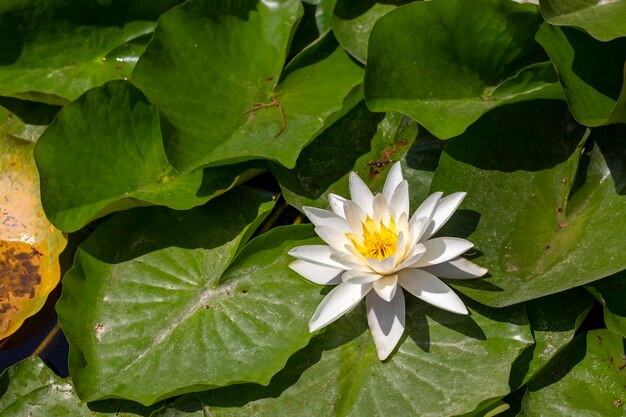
(373, 244)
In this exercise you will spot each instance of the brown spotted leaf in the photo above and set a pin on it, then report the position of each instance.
(29, 244)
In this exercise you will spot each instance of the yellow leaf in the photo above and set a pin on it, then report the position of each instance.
(29, 244)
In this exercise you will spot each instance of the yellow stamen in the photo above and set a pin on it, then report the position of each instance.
(378, 241)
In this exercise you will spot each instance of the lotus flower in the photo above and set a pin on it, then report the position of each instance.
(376, 251)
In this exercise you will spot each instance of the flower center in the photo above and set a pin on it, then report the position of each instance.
(378, 241)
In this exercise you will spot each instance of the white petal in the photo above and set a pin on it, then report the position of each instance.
(336, 204)
(443, 212)
(327, 218)
(386, 287)
(318, 274)
(354, 276)
(400, 200)
(341, 299)
(412, 257)
(355, 216)
(431, 289)
(352, 259)
(380, 210)
(383, 266)
(319, 254)
(427, 208)
(394, 178)
(386, 321)
(335, 238)
(401, 247)
(402, 223)
(442, 249)
(360, 193)
(417, 249)
(418, 227)
(457, 268)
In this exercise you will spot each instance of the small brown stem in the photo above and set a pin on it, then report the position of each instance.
(283, 120)
(274, 103)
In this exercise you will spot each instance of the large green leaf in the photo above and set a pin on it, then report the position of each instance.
(31, 389)
(554, 320)
(155, 307)
(535, 214)
(592, 73)
(445, 365)
(432, 61)
(363, 143)
(104, 153)
(611, 292)
(54, 51)
(604, 20)
(214, 68)
(354, 19)
(586, 379)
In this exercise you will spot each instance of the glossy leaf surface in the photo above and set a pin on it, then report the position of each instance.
(138, 293)
(104, 153)
(586, 379)
(32, 389)
(592, 73)
(604, 20)
(554, 320)
(54, 51)
(444, 73)
(536, 206)
(440, 356)
(233, 101)
(353, 22)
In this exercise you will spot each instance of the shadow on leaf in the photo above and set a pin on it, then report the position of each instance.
(510, 137)
(139, 231)
(337, 334)
(331, 155)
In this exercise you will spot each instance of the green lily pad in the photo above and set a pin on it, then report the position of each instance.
(363, 143)
(339, 373)
(604, 20)
(586, 379)
(52, 52)
(25, 119)
(215, 70)
(610, 292)
(324, 14)
(593, 73)
(155, 305)
(353, 21)
(536, 205)
(445, 73)
(554, 320)
(30, 388)
(104, 153)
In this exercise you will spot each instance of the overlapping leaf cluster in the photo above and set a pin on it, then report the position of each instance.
(171, 133)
